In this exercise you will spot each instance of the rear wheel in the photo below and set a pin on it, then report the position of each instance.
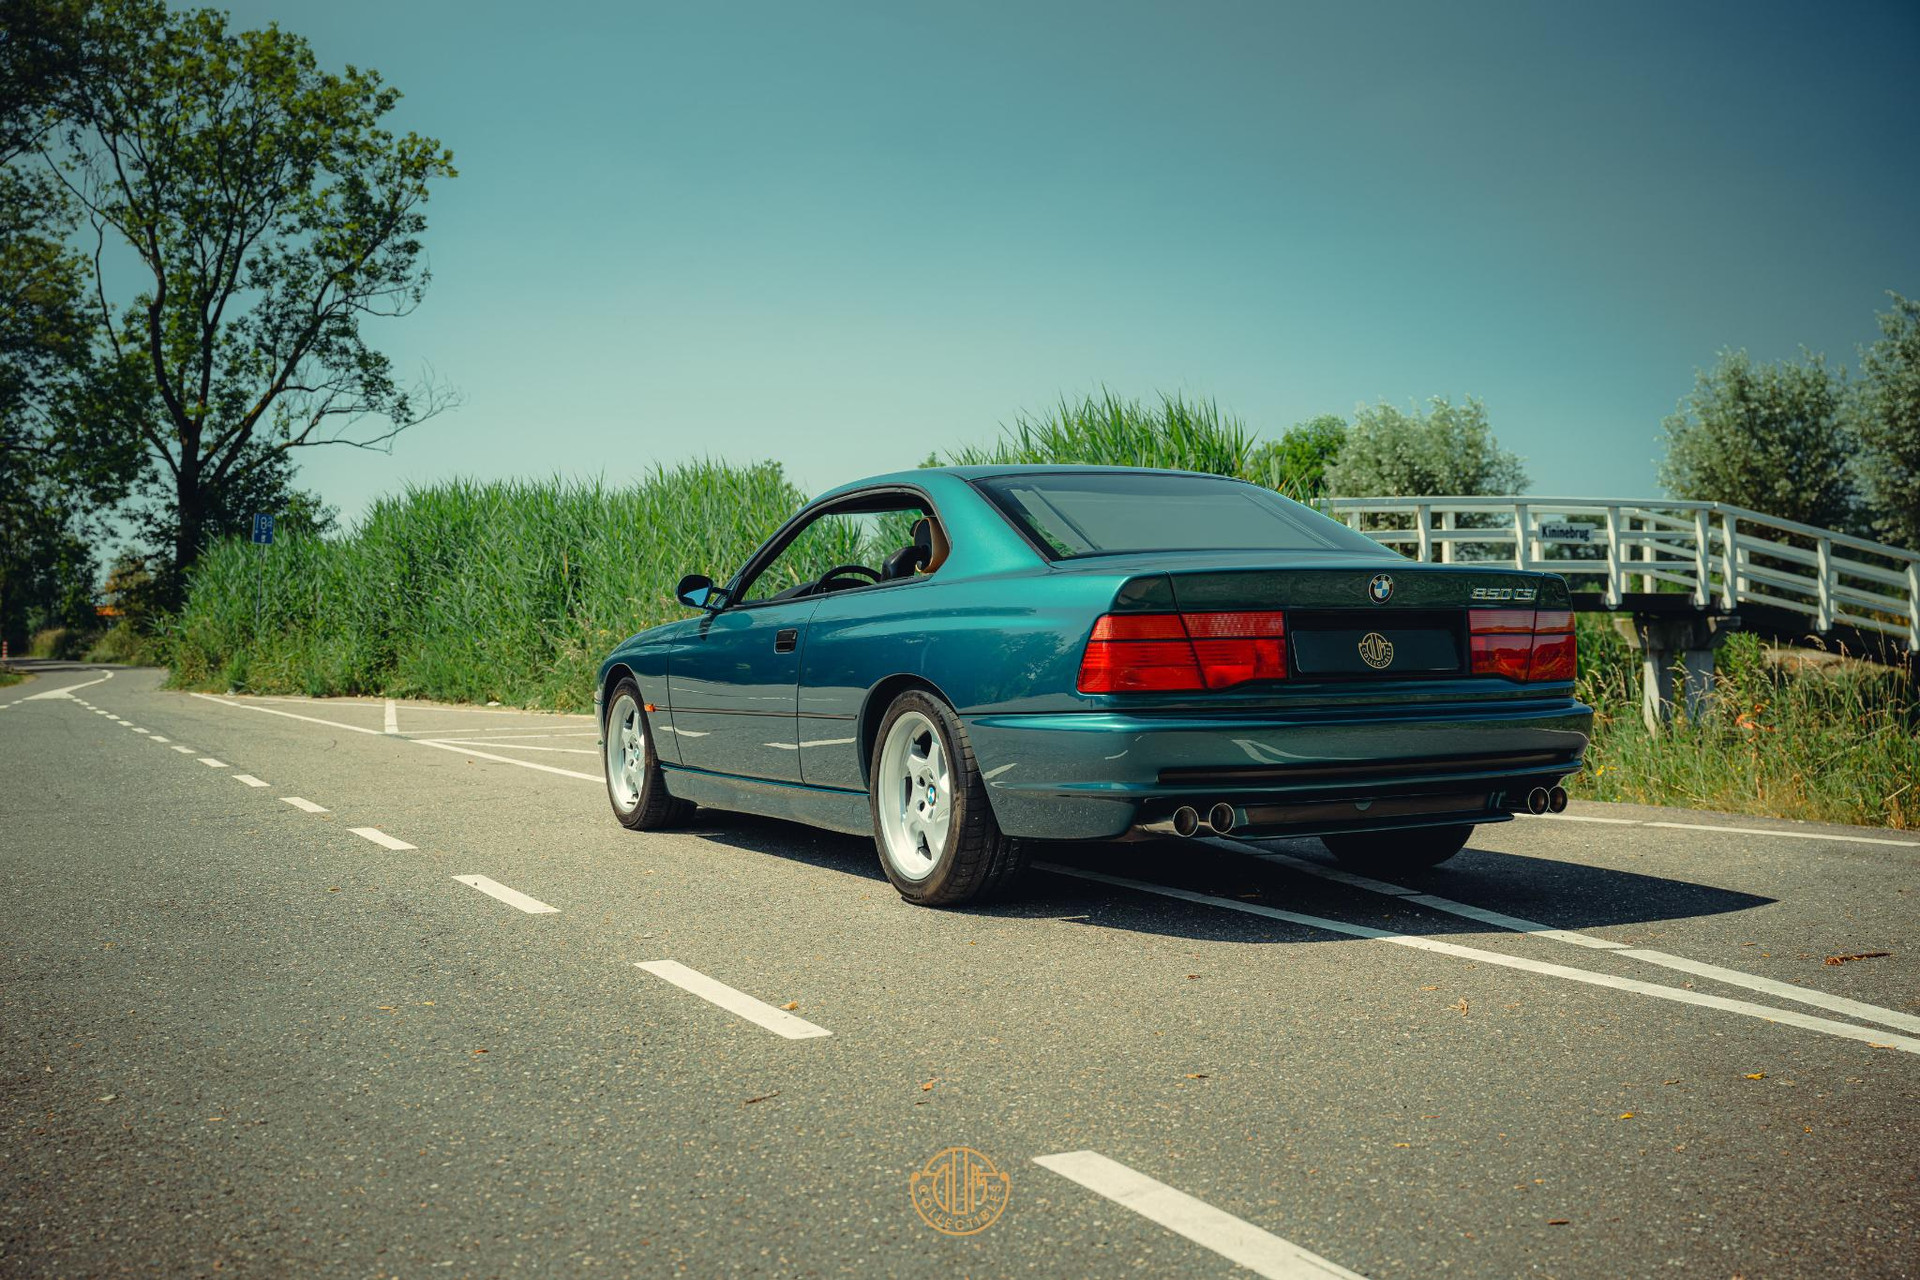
(938, 841)
(1411, 850)
(636, 785)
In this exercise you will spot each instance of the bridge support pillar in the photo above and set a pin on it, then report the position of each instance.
(1673, 647)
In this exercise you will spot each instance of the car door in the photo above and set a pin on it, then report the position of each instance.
(733, 682)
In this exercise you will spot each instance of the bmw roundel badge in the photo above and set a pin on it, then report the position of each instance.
(1380, 589)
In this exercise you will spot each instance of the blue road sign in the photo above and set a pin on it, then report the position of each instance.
(263, 527)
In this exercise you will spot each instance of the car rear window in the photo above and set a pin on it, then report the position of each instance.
(1082, 514)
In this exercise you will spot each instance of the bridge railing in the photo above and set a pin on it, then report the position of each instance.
(1720, 555)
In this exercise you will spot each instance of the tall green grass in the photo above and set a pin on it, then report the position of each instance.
(464, 591)
(1833, 743)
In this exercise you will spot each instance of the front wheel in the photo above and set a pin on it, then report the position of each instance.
(938, 841)
(1410, 850)
(636, 785)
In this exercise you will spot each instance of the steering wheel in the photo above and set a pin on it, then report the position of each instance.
(843, 570)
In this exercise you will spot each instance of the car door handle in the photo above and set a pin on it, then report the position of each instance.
(786, 639)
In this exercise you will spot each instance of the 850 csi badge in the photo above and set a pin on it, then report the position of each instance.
(1380, 589)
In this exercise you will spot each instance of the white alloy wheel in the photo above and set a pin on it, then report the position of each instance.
(626, 753)
(915, 796)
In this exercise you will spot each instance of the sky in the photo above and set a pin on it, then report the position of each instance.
(844, 236)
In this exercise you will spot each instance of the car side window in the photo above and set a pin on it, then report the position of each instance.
(871, 546)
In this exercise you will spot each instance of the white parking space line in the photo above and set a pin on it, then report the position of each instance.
(66, 691)
(1796, 835)
(303, 804)
(516, 746)
(249, 779)
(211, 763)
(381, 838)
(1737, 831)
(778, 1021)
(1732, 977)
(1679, 995)
(392, 718)
(524, 764)
(186, 750)
(1785, 990)
(512, 897)
(1235, 1239)
(354, 728)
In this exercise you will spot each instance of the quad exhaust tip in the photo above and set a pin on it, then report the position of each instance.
(1186, 821)
(1220, 818)
(1557, 800)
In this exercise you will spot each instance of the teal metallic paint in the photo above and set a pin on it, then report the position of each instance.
(999, 632)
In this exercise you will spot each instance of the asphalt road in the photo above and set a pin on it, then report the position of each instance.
(238, 1036)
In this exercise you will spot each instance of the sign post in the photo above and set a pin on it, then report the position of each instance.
(263, 538)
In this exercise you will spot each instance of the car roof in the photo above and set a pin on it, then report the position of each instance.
(919, 476)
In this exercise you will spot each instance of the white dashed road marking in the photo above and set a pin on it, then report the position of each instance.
(1261, 1252)
(158, 738)
(303, 804)
(1732, 977)
(393, 718)
(185, 750)
(380, 838)
(512, 897)
(211, 763)
(249, 779)
(1868, 1035)
(778, 1021)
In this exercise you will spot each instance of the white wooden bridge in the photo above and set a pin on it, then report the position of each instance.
(1686, 570)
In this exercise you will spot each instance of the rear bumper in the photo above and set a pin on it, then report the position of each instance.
(1099, 775)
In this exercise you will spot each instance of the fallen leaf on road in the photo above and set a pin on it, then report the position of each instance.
(1193, 975)
(479, 1051)
(1403, 1144)
(1626, 1115)
(929, 1084)
(211, 1119)
(1459, 1006)
(333, 888)
(1756, 1075)
(1558, 1222)
(1434, 987)
(110, 1097)
(791, 1004)
(1858, 955)
(762, 1098)
(1196, 1075)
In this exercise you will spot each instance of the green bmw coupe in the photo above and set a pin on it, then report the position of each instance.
(965, 660)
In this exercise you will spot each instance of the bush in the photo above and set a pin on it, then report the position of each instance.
(62, 643)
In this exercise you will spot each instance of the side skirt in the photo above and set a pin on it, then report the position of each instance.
(828, 807)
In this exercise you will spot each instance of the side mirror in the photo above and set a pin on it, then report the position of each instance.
(696, 590)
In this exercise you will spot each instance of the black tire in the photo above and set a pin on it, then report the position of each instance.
(1411, 850)
(978, 861)
(650, 807)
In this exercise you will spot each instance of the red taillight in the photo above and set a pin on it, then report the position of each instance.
(1170, 652)
(1522, 644)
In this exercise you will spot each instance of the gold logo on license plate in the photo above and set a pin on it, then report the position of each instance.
(1376, 651)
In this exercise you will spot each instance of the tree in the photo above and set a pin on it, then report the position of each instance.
(272, 213)
(1886, 416)
(1769, 437)
(1449, 450)
(1297, 462)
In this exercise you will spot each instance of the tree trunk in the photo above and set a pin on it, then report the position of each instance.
(190, 510)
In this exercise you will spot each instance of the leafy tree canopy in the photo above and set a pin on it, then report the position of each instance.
(1770, 437)
(1448, 450)
(1887, 424)
(272, 213)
